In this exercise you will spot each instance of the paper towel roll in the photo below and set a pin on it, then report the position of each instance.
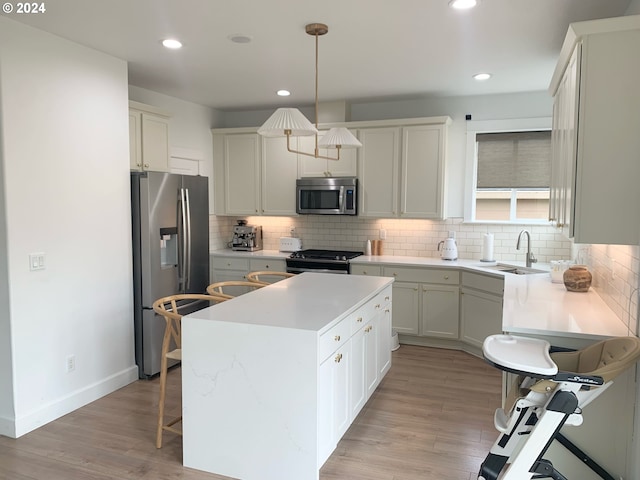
(487, 248)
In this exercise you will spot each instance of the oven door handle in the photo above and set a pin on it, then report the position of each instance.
(297, 270)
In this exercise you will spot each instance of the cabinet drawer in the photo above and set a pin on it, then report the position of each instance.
(375, 270)
(230, 263)
(483, 282)
(364, 314)
(423, 275)
(333, 339)
(259, 265)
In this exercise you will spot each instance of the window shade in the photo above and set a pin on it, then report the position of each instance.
(514, 160)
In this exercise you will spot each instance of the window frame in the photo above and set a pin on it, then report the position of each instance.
(475, 127)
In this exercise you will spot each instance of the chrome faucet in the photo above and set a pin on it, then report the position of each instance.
(530, 258)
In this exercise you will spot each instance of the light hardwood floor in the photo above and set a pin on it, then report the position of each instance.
(431, 418)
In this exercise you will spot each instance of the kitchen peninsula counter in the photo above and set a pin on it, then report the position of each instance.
(532, 304)
(268, 377)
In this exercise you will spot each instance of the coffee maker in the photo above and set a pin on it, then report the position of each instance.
(246, 238)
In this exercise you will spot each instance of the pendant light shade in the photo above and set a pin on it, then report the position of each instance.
(339, 137)
(290, 122)
(285, 120)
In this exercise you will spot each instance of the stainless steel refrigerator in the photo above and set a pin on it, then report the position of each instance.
(170, 225)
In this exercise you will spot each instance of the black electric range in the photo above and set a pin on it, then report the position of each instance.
(325, 261)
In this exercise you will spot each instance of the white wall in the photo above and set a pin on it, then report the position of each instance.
(66, 192)
(189, 128)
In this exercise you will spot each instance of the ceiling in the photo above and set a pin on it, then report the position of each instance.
(375, 49)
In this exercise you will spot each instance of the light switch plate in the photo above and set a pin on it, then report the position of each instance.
(36, 261)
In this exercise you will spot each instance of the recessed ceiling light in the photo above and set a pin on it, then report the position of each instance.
(463, 4)
(283, 93)
(172, 43)
(482, 76)
(240, 38)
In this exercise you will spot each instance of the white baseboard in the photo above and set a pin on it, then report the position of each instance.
(67, 404)
(7, 427)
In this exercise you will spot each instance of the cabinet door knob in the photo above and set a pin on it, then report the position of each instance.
(146, 165)
(386, 310)
(364, 272)
(338, 358)
(386, 299)
(395, 274)
(446, 277)
(415, 289)
(337, 338)
(359, 320)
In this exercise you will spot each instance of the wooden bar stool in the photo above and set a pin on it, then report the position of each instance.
(232, 288)
(266, 277)
(169, 308)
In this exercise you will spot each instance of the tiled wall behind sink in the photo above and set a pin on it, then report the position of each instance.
(403, 237)
(615, 270)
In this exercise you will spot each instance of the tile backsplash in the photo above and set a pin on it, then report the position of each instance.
(417, 238)
(615, 268)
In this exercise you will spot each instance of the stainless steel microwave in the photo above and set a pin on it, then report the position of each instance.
(327, 196)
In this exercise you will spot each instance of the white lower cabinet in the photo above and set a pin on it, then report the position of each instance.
(351, 372)
(406, 318)
(335, 407)
(480, 307)
(426, 301)
(440, 311)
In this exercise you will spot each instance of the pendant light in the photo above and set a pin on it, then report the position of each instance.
(290, 122)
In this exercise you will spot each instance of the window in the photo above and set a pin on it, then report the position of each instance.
(510, 172)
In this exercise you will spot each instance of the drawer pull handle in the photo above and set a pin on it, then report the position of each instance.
(359, 320)
(377, 305)
(338, 358)
(368, 329)
(387, 310)
(337, 338)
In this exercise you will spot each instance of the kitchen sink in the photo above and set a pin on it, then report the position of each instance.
(514, 269)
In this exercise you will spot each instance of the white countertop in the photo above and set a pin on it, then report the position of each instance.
(532, 303)
(227, 252)
(309, 301)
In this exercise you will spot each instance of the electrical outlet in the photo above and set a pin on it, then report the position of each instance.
(71, 363)
(383, 234)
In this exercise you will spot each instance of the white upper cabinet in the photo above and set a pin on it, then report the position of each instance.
(423, 156)
(319, 167)
(378, 165)
(279, 173)
(596, 166)
(253, 175)
(148, 138)
(242, 174)
(402, 168)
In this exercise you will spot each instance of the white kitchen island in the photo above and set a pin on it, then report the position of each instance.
(272, 379)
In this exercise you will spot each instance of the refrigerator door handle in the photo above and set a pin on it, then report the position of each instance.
(182, 246)
(187, 278)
